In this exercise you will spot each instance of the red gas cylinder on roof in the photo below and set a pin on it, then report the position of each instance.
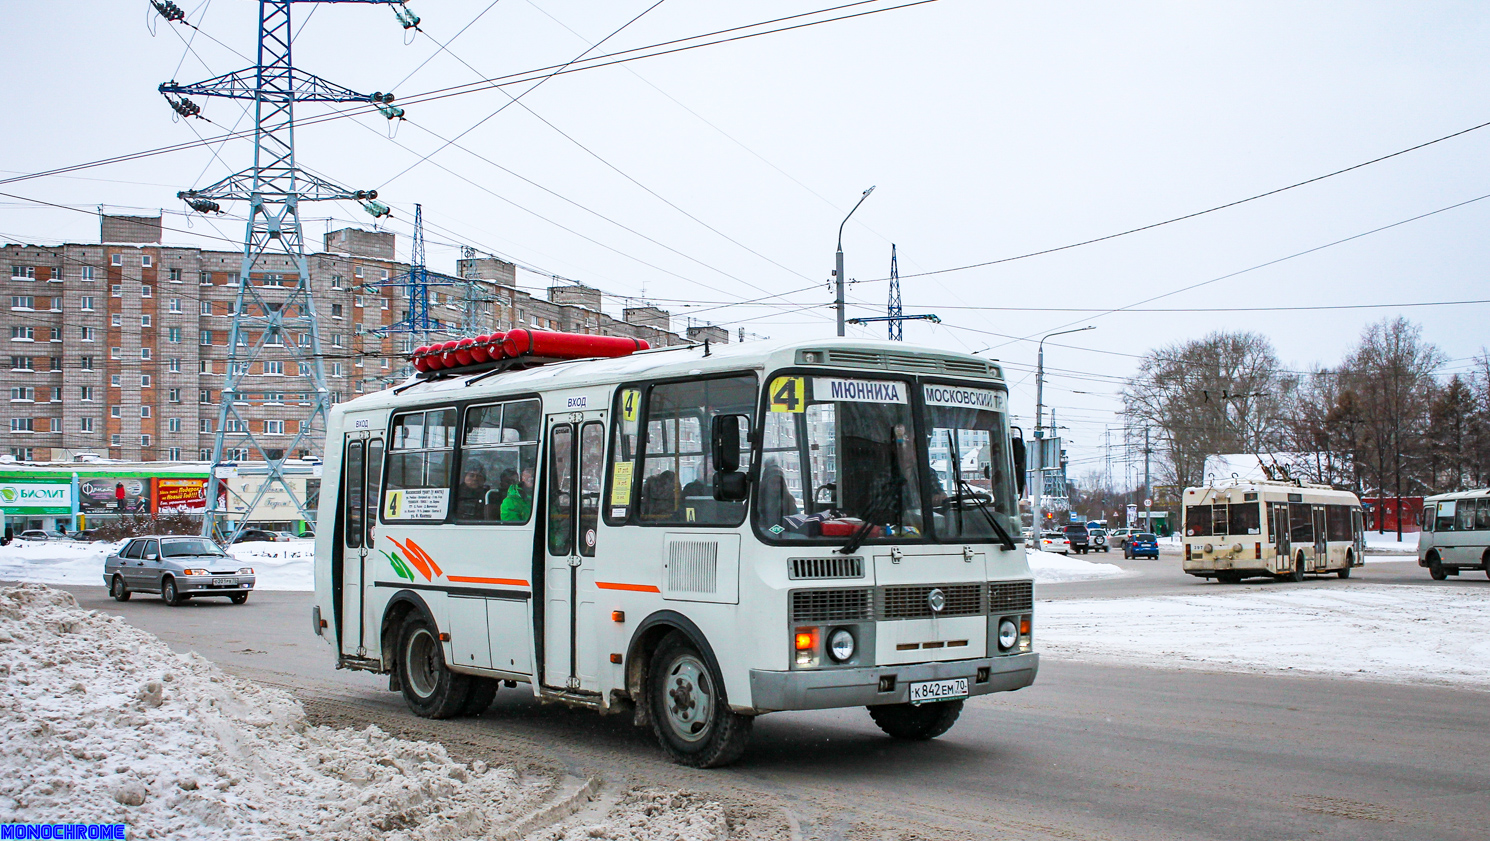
(463, 351)
(417, 358)
(447, 354)
(432, 359)
(568, 345)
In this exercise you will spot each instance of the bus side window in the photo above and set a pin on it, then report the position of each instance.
(498, 457)
(621, 474)
(420, 458)
(1467, 509)
(677, 479)
(1482, 515)
(1445, 518)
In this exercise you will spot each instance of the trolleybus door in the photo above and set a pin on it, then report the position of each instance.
(362, 481)
(1280, 530)
(1321, 539)
(1358, 534)
(574, 469)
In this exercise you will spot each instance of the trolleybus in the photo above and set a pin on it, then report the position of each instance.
(692, 536)
(1456, 533)
(1285, 530)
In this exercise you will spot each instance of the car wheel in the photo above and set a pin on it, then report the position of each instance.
(238, 598)
(917, 723)
(431, 690)
(1435, 568)
(168, 593)
(690, 715)
(118, 590)
(483, 690)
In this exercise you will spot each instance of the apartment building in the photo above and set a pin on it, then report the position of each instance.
(120, 348)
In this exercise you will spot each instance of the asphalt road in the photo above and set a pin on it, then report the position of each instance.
(1088, 752)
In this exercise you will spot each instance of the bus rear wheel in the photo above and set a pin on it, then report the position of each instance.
(431, 690)
(919, 723)
(690, 715)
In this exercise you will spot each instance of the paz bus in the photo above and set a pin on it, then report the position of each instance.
(1456, 533)
(692, 536)
(1284, 530)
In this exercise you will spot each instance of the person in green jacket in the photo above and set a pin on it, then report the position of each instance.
(517, 505)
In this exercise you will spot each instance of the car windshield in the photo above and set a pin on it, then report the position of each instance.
(970, 470)
(187, 546)
(838, 453)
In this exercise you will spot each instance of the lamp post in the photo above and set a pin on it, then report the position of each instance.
(1037, 516)
(838, 275)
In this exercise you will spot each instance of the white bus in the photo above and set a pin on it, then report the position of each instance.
(1284, 530)
(692, 535)
(1456, 533)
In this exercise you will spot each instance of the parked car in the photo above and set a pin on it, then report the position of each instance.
(1079, 539)
(256, 536)
(42, 534)
(1142, 545)
(1054, 541)
(178, 568)
(1098, 537)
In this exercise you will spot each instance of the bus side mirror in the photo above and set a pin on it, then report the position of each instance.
(730, 483)
(1017, 447)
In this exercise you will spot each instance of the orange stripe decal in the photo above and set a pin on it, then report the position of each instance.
(635, 588)
(471, 579)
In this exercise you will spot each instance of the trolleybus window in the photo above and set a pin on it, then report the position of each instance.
(856, 439)
(1337, 522)
(1301, 522)
(498, 458)
(1244, 518)
(675, 481)
(969, 466)
(1197, 520)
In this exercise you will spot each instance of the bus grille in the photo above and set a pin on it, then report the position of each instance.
(911, 602)
(836, 567)
(1006, 596)
(830, 605)
(693, 566)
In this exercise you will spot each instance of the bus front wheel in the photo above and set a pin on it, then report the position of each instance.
(431, 690)
(910, 721)
(690, 715)
(1435, 568)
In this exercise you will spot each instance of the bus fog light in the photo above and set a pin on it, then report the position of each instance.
(1008, 634)
(841, 645)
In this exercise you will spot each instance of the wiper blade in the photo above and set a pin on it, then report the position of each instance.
(880, 501)
(970, 491)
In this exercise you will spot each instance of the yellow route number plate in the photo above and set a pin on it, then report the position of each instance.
(788, 394)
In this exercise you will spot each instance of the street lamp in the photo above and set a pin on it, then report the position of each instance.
(838, 275)
(1037, 515)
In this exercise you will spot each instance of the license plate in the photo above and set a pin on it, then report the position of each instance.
(939, 690)
(224, 582)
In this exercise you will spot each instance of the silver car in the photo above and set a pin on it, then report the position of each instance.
(177, 568)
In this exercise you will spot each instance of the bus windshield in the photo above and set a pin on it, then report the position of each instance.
(969, 473)
(838, 453)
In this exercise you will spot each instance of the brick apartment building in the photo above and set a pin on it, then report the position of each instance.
(120, 348)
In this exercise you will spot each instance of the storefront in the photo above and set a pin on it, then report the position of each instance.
(34, 500)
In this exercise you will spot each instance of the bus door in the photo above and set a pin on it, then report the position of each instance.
(1280, 530)
(573, 470)
(1358, 534)
(362, 482)
(1321, 540)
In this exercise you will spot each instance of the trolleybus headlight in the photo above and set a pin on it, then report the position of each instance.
(841, 645)
(1008, 634)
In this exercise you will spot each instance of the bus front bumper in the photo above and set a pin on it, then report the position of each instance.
(832, 688)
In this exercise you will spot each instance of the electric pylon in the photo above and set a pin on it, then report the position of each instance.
(274, 187)
(893, 312)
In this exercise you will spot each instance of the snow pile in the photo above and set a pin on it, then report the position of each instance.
(278, 566)
(1051, 568)
(1408, 634)
(649, 814)
(1387, 544)
(102, 722)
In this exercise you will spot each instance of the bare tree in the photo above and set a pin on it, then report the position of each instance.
(1219, 394)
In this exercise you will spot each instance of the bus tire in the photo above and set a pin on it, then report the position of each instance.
(690, 715)
(431, 690)
(1298, 568)
(916, 723)
(1435, 567)
(1344, 572)
(482, 691)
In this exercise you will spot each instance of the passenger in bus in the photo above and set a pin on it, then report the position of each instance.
(660, 496)
(516, 504)
(777, 501)
(471, 500)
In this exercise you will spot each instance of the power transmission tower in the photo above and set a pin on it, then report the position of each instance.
(894, 310)
(274, 187)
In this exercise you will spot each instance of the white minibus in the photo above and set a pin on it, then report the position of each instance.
(1456, 533)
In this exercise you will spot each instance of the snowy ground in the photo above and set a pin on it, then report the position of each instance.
(102, 722)
(1387, 544)
(1052, 568)
(278, 566)
(1434, 635)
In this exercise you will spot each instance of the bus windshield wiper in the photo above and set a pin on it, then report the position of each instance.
(970, 492)
(881, 499)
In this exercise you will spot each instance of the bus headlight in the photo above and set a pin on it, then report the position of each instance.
(841, 645)
(1008, 634)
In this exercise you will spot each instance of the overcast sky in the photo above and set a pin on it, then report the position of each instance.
(989, 129)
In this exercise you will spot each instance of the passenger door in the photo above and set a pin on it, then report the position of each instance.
(1321, 539)
(1280, 531)
(362, 475)
(574, 467)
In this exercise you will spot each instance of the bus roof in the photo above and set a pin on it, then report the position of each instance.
(1457, 495)
(878, 357)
